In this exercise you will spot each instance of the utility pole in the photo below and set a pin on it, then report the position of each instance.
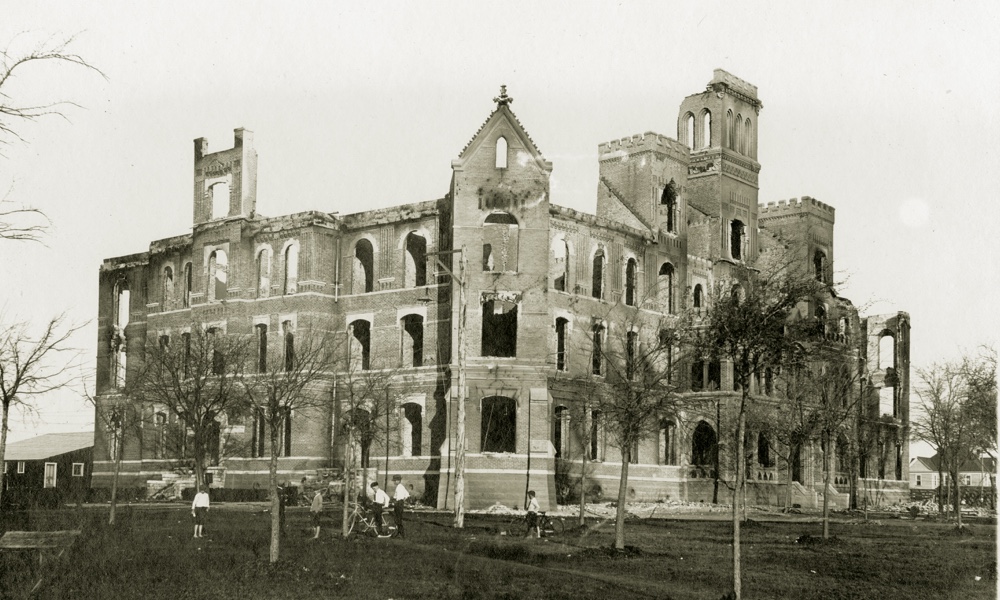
(459, 519)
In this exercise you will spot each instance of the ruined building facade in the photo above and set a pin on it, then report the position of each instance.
(542, 285)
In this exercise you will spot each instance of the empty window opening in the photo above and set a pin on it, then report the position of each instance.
(597, 288)
(747, 138)
(631, 354)
(697, 299)
(291, 282)
(499, 328)
(689, 130)
(886, 351)
(188, 283)
(668, 441)
(500, 242)
(714, 375)
(730, 131)
(286, 432)
(218, 264)
(413, 341)
(819, 265)
(738, 141)
(499, 424)
(597, 367)
(219, 193)
(360, 345)
(168, 287)
(212, 346)
(561, 328)
(560, 265)
(736, 239)
(186, 340)
(697, 376)
(630, 282)
(666, 287)
(415, 261)
(289, 335)
(412, 429)
(706, 129)
(364, 265)
(261, 348)
(843, 464)
(704, 445)
(501, 162)
(560, 427)
(595, 435)
(887, 400)
(258, 435)
(899, 465)
(119, 341)
(263, 273)
(160, 433)
(821, 319)
(764, 458)
(668, 199)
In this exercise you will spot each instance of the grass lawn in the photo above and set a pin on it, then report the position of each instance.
(150, 553)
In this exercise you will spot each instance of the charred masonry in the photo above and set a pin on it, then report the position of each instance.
(672, 215)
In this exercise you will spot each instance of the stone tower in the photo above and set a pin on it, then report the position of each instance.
(225, 182)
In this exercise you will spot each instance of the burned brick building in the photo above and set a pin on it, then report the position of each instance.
(541, 285)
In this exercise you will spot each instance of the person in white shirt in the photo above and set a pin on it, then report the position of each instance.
(315, 511)
(532, 507)
(399, 500)
(380, 501)
(198, 509)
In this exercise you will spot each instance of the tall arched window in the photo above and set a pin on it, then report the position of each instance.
(738, 141)
(595, 435)
(597, 349)
(698, 298)
(748, 137)
(562, 329)
(264, 273)
(560, 427)
(360, 345)
(291, 282)
(730, 130)
(289, 333)
(219, 194)
(168, 287)
(666, 287)
(412, 429)
(706, 129)
(668, 441)
(597, 287)
(631, 267)
(188, 282)
(119, 341)
(668, 199)
(736, 239)
(499, 424)
(364, 266)
(413, 341)
(704, 445)
(819, 265)
(501, 153)
(560, 264)
(764, 451)
(415, 261)
(500, 242)
(218, 265)
(689, 134)
(886, 351)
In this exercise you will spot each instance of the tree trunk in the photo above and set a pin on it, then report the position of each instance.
(788, 488)
(942, 502)
(826, 485)
(459, 521)
(958, 498)
(718, 451)
(740, 459)
(3, 445)
(272, 479)
(583, 467)
(348, 481)
(622, 489)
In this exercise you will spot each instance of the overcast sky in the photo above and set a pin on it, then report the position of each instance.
(886, 110)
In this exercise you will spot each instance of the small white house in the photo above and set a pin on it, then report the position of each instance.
(974, 473)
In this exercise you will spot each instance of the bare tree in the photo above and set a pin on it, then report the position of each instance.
(120, 416)
(292, 378)
(199, 379)
(31, 365)
(750, 323)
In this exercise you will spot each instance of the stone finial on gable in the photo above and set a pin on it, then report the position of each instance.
(503, 99)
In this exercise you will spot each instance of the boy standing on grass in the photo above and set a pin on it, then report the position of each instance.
(532, 507)
(399, 500)
(198, 509)
(315, 510)
(380, 500)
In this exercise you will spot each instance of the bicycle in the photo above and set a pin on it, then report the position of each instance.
(362, 522)
(547, 525)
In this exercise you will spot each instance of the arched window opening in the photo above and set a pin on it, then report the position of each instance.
(258, 434)
(291, 283)
(699, 292)
(597, 334)
(218, 265)
(706, 129)
(704, 445)
(819, 265)
(219, 193)
(122, 313)
(562, 326)
(286, 432)
(736, 239)
(689, 132)
(212, 339)
(499, 333)
(188, 283)
(168, 287)
(697, 376)
(499, 424)
(821, 319)
(160, 433)
(843, 455)
(413, 341)
(560, 428)
(263, 273)
(665, 287)
(631, 354)
(668, 200)
(501, 153)
(730, 130)
(288, 332)
(500, 242)
(764, 458)
(738, 141)
(415, 261)
(560, 265)
(630, 282)
(595, 435)
(261, 347)
(360, 349)
(668, 441)
(363, 278)
(748, 137)
(886, 351)
(597, 287)
(412, 429)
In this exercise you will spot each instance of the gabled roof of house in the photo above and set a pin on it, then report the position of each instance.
(930, 464)
(51, 444)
